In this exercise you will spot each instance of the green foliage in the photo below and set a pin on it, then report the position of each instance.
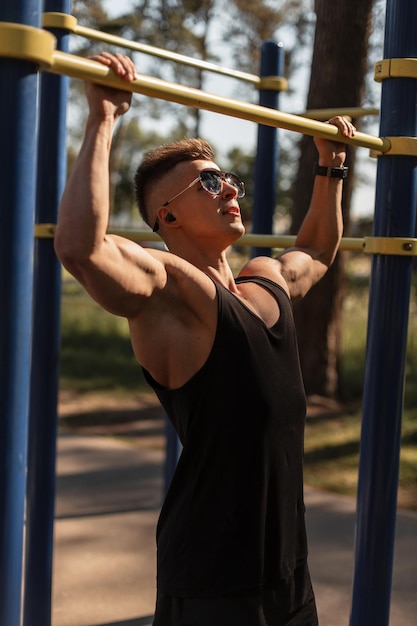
(355, 310)
(332, 453)
(355, 320)
(96, 353)
(333, 436)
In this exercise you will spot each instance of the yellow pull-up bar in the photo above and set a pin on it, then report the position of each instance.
(398, 246)
(70, 24)
(86, 69)
(24, 42)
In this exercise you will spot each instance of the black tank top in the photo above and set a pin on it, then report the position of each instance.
(233, 517)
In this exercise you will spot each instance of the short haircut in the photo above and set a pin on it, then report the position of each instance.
(158, 162)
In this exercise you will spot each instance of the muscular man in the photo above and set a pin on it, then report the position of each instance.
(221, 354)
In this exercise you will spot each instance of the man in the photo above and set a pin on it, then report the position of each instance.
(221, 355)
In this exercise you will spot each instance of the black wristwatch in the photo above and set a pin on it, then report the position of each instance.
(331, 172)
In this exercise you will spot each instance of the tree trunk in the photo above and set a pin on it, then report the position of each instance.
(337, 80)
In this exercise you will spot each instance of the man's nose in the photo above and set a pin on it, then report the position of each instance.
(228, 190)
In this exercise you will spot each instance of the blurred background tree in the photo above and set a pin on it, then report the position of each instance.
(337, 79)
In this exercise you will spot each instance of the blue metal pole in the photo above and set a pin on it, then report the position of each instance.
(18, 122)
(395, 213)
(45, 345)
(266, 163)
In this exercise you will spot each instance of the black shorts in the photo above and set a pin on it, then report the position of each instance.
(292, 603)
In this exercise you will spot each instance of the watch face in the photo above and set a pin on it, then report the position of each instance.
(339, 172)
(331, 172)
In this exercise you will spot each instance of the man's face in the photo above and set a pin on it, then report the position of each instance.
(199, 199)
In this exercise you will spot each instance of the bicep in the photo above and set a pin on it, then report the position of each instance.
(300, 269)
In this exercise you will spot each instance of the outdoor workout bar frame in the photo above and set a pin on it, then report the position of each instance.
(267, 81)
(22, 42)
(25, 48)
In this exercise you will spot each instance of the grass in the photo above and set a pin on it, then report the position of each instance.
(96, 355)
(332, 439)
(332, 455)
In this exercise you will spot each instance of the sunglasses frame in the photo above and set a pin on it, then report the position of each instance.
(238, 184)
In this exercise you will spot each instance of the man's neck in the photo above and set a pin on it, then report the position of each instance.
(213, 263)
(222, 274)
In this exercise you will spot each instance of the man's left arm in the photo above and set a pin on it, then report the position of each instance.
(318, 239)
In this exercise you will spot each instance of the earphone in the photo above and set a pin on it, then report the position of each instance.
(170, 218)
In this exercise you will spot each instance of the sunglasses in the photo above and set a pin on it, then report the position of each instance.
(212, 182)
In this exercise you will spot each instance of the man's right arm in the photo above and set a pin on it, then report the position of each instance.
(116, 272)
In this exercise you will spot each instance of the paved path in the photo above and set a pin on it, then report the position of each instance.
(108, 499)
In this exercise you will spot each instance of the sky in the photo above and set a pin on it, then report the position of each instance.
(225, 132)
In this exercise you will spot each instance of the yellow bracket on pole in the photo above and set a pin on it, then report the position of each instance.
(398, 246)
(59, 20)
(19, 41)
(404, 146)
(395, 68)
(274, 83)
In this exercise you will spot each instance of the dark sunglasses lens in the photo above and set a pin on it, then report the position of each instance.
(232, 179)
(212, 182)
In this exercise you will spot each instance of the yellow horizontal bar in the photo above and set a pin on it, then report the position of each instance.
(19, 41)
(351, 112)
(60, 20)
(352, 244)
(400, 246)
(47, 231)
(86, 69)
(395, 68)
(44, 231)
(135, 235)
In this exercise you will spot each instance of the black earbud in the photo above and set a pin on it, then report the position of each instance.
(170, 218)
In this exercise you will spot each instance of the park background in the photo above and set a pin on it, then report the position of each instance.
(97, 365)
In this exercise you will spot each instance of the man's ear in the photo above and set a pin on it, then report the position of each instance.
(169, 218)
(165, 216)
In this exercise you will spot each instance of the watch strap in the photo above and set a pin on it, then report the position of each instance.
(331, 172)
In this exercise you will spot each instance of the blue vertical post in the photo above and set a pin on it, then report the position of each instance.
(395, 207)
(266, 162)
(45, 345)
(18, 132)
